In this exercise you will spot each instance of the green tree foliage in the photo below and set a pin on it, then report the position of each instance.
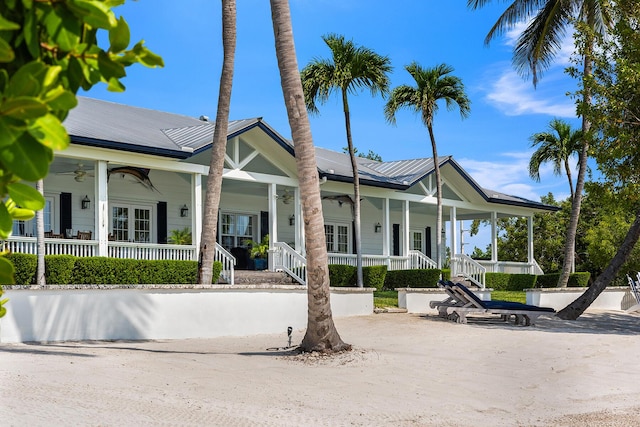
(49, 51)
(557, 146)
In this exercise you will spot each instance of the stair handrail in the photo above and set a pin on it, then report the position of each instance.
(470, 269)
(420, 260)
(228, 263)
(291, 262)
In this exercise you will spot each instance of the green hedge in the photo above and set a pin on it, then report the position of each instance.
(342, 275)
(510, 282)
(345, 276)
(418, 278)
(25, 266)
(576, 280)
(67, 269)
(374, 276)
(58, 269)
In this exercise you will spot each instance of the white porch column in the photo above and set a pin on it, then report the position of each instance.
(405, 226)
(494, 236)
(453, 240)
(196, 209)
(386, 250)
(530, 257)
(299, 223)
(273, 222)
(101, 208)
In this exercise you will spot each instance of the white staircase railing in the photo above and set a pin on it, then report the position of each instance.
(470, 269)
(291, 262)
(228, 264)
(420, 260)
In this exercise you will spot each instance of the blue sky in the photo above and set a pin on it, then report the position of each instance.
(492, 144)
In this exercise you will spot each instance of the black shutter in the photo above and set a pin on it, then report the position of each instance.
(65, 213)
(427, 239)
(396, 239)
(264, 224)
(353, 238)
(161, 229)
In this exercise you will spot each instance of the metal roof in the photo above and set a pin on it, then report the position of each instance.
(110, 125)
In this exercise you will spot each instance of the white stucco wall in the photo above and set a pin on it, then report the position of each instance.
(146, 312)
(612, 298)
(416, 300)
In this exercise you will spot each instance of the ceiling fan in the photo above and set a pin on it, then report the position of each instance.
(286, 197)
(79, 174)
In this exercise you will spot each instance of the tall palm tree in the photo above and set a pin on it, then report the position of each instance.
(216, 166)
(321, 332)
(534, 52)
(351, 68)
(432, 85)
(557, 146)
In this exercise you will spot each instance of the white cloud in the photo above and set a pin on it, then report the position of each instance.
(513, 96)
(509, 174)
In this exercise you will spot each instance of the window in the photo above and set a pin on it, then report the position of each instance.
(417, 241)
(28, 228)
(337, 237)
(131, 223)
(236, 230)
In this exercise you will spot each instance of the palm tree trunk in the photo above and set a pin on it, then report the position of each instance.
(356, 192)
(569, 246)
(567, 169)
(436, 168)
(214, 181)
(321, 334)
(577, 307)
(40, 272)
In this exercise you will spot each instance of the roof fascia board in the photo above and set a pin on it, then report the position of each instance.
(101, 143)
(131, 159)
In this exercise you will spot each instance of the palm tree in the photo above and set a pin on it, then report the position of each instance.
(432, 85)
(214, 181)
(321, 334)
(556, 146)
(534, 52)
(351, 68)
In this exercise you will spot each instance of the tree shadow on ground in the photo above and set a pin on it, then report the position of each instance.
(592, 322)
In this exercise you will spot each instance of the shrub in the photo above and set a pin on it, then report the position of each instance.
(373, 277)
(58, 269)
(25, 266)
(510, 282)
(446, 274)
(342, 275)
(576, 280)
(418, 278)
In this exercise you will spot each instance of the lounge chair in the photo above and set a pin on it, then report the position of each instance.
(524, 314)
(453, 300)
(635, 291)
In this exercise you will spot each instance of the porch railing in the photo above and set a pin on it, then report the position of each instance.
(511, 267)
(228, 264)
(29, 245)
(469, 268)
(151, 251)
(290, 261)
(420, 260)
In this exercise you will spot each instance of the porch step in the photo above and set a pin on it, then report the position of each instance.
(249, 277)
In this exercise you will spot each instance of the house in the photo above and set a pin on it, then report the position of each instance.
(132, 175)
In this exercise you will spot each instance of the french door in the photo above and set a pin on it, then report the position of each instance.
(131, 223)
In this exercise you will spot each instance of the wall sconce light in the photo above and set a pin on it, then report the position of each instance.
(184, 211)
(292, 220)
(85, 203)
(377, 228)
